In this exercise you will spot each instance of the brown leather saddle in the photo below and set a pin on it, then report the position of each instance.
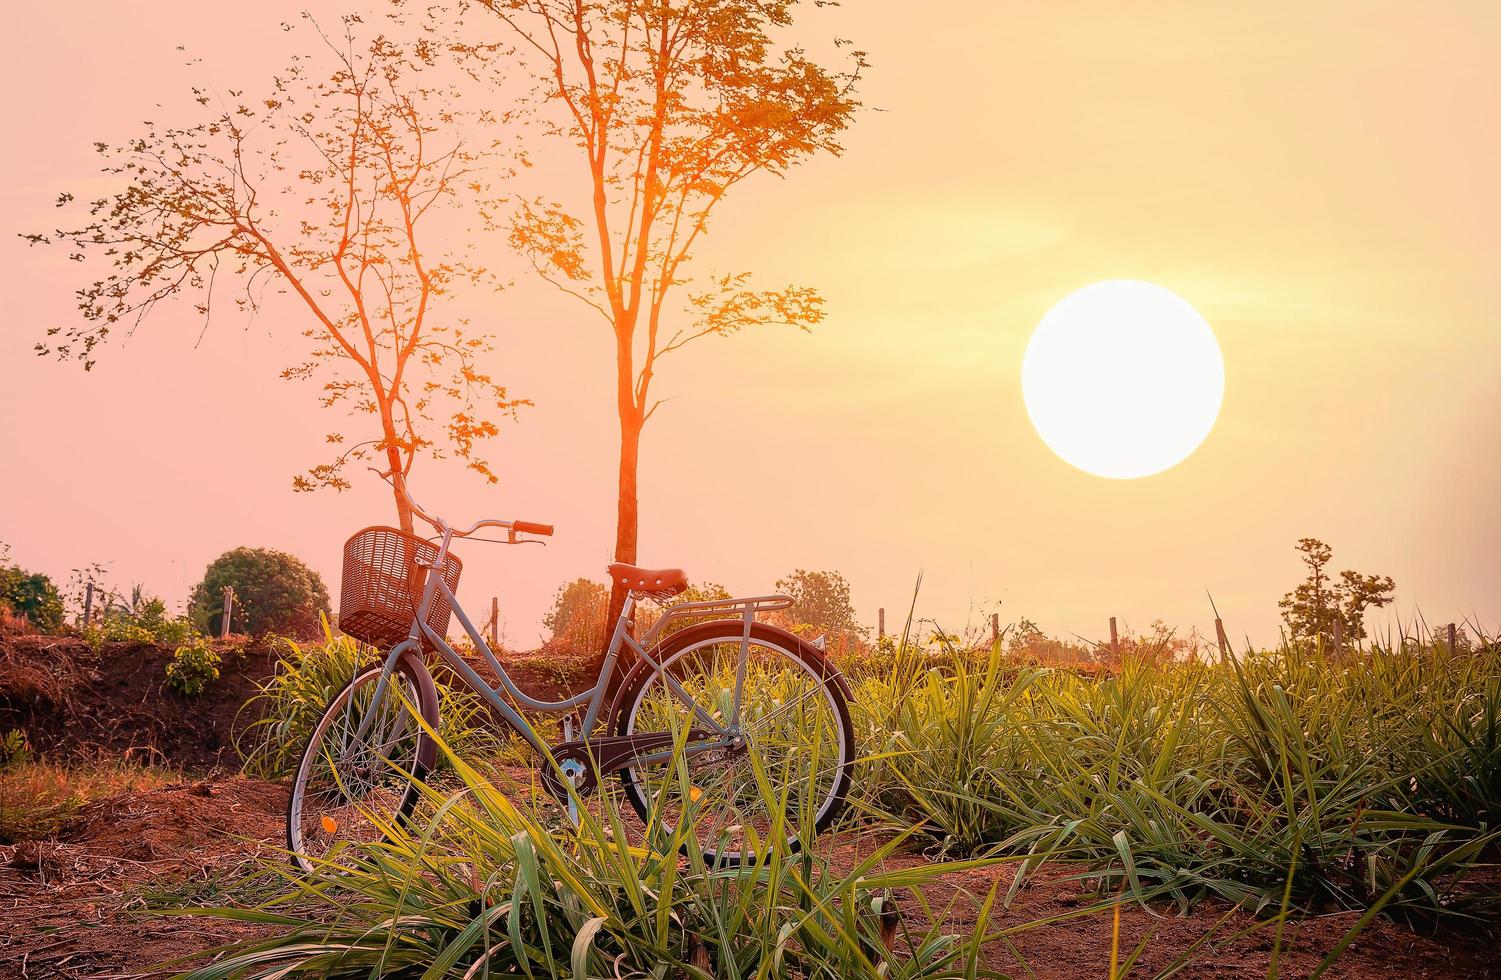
(658, 583)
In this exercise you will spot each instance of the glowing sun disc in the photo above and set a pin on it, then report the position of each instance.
(1123, 379)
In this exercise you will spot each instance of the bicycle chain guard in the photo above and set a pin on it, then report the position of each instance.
(607, 754)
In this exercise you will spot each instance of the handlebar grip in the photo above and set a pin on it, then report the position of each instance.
(527, 527)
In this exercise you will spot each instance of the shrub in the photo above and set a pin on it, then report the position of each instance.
(151, 615)
(821, 600)
(145, 620)
(273, 593)
(193, 668)
(577, 618)
(116, 629)
(15, 749)
(32, 595)
(579, 609)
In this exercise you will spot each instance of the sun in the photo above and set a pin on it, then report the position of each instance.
(1123, 379)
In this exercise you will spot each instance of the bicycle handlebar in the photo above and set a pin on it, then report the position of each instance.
(514, 527)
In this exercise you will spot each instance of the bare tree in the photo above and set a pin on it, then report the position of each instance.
(670, 104)
(327, 189)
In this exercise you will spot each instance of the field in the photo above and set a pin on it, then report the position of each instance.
(1280, 813)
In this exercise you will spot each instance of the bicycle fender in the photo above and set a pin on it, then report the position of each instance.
(427, 690)
(723, 627)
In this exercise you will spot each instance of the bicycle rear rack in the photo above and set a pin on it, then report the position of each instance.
(741, 607)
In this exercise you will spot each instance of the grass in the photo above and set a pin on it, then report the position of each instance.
(484, 889)
(1283, 782)
(306, 678)
(38, 798)
(1272, 776)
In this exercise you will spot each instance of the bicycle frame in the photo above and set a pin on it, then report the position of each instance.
(595, 697)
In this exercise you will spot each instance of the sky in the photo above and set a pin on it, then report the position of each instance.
(1318, 181)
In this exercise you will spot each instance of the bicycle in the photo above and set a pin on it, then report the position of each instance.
(767, 716)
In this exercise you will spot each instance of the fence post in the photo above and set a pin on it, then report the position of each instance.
(494, 623)
(1221, 639)
(88, 602)
(881, 624)
(1115, 643)
(1451, 639)
(229, 608)
(995, 630)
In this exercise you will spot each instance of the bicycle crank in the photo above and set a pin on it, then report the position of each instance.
(581, 761)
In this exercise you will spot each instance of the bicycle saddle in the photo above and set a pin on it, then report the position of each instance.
(659, 583)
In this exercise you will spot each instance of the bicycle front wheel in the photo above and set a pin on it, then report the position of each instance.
(784, 770)
(351, 785)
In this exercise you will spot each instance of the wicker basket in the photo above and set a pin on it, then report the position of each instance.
(382, 586)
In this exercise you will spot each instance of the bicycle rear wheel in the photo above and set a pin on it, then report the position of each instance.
(786, 770)
(350, 787)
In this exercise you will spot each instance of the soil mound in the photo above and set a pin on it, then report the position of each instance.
(174, 822)
(73, 701)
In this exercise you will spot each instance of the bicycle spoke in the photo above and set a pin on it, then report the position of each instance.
(782, 763)
(352, 787)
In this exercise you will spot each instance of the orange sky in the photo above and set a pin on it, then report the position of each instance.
(1319, 181)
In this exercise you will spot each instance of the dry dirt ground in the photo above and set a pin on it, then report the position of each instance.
(80, 906)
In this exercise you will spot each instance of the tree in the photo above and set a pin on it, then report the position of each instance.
(1312, 609)
(577, 616)
(327, 190)
(274, 592)
(32, 595)
(670, 105)
(580, 610)
(821, 600)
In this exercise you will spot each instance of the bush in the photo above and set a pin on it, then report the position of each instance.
(145, 621)
(579, 610)
(273, 593)
(15, 749)
(821, 601)
(577, 618)
(193, 668)
(168, 630)
(32, 595)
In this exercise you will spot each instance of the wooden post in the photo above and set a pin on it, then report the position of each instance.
(494, 623)
(1221, 639)
(1451, 639)
(881, 624)
(995, 630)
(229, 608)
(88, 603)
(1115, 642)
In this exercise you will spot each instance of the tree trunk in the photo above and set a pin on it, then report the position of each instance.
(627, 523)
(398, 477)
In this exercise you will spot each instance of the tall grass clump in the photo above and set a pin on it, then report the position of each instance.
(287, 706)
(482, 889)
(1273, 776)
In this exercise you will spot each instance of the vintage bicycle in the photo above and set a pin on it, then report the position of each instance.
(720, 719)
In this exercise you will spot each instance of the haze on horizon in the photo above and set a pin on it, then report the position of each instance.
(1318, 183)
